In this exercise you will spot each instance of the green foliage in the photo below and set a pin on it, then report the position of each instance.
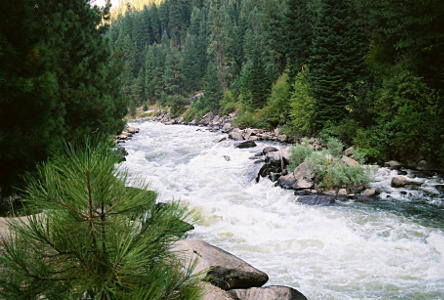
(132, 108)
(145, 106)
(177, 104)
(341, 175)
(59, 80)
(228, 104)
(335, 146)
(303, 104)
(245, 119)
(299, 153)
(97, 239)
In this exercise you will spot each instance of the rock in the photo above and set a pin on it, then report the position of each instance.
(304, 171)
(226, 128)
(285, 155)
(349, 161)
(212, 292)
(222, 139)
(253, 138)
(274, 176)
(363, 198)
(302, 192)
(424, 165)
(412, 186)
(349, 151)
(121, 152)
(122, 137)
(221, 268)
(393, 164)
(227, 158)
(402, 172)
(272, 292)
(286, 182)
(236, 136)
(303, 184)
(355, 189)
(370, 192)
(342, 192)
(399, 181)
(269, 149)
(248, 132)
(316, 200)
(273, 158)
(282, 138)
(133, 130)
(244, 144)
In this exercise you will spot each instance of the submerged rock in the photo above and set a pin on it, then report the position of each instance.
(286, 182)
(316, 200)
(272, 292)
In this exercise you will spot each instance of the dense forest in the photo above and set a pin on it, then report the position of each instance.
(370, 73)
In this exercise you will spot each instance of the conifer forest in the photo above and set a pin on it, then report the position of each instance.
(370, 73)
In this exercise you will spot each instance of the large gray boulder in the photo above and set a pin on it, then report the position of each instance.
(304, 171)
(273, 158)
(221, 268)
(272, 292)
(286, 182)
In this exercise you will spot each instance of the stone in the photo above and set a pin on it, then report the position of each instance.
(363, 198)
(253, 138)
(286, 156)
(398, 181)
(133, 130)
(303, 184)
(349, 151)
(273, 158)
(226, 128)
(350, 161)
(370, 192)
(269, 149)
(304, 171)
(227, 158)
(248, 132)
(221, 268)
(424, 165)
(235, 136)
(355, 189)
(286, 182)
(272, 292)
(320, 200)
(244, 144)
(212, 292)
(393, 164)
(274, 176)
(122, 137)
(302, 192)
(222, 139)
(282, 138)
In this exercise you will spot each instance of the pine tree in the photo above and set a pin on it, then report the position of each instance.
(336, 59)
(213, 92)
(97, 238)
(172, 76)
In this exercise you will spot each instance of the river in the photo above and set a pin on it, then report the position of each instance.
(390, 249)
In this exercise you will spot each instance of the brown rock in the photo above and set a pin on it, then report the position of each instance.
(399, 181)
(350, 161)
(272, 292)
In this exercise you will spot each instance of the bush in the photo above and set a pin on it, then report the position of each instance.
(132, 108)
(228, 104)
(145, 106)
(97, 239)
(335, 146)
(298, 154)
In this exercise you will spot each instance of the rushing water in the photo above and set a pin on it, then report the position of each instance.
(389, 249)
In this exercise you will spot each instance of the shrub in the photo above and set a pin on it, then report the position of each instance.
(97, 239)
(145, 106)
(335, 146)
(298, 154)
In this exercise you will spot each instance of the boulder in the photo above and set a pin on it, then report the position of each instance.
(122, 137)
(316, 200)
(355, 189)
(212, 292)
(393, 164)
(244, 144)
(282, 138)
(363, 198)
(221, 268)
(248, 132)
(349, 161)
(253, 138)
(370, 192)
(399, 181)
(236, 136)
(286, 182)
(349, 151)
(269, 149)
(272, 292)
(273, 158)
(274, 176)
(303, 184)
(226, 128)
(285, 155)
(304, 171)
(133, 130)
(424, 165)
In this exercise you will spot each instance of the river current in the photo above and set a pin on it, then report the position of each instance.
(389, 249)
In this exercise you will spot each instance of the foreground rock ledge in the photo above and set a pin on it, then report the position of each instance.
(221, 268)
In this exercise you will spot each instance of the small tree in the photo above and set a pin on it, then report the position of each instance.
(97, 239)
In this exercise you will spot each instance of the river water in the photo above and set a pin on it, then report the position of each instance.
(390, 249)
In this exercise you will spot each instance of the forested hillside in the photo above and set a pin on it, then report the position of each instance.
(368, 72)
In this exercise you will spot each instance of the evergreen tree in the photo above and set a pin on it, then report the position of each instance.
(154, 70)
(138, 89)
(191, 64)
(213, 93)
(336, 59)
(299, 18)
(97, 238)
(172, 76)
